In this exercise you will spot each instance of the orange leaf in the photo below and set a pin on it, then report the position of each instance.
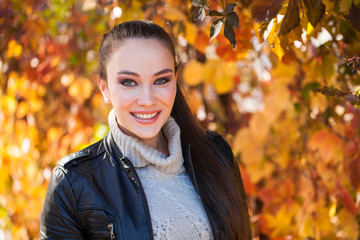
(193, 73)
(250, 188)
(202, 41)
(326, 143)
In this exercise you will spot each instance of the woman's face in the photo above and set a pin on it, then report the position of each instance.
(141, 86)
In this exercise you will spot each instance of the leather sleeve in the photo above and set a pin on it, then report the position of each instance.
(59, 215)
(226, 151)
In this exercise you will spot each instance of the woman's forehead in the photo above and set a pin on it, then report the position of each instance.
(141, 55)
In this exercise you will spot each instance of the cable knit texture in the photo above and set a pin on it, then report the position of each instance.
(175, 208)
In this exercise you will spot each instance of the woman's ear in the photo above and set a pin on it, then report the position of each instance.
(104, 90)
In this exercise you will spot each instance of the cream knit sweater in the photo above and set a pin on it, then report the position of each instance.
(175, 208)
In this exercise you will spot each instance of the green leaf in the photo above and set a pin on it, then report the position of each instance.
(291, 19)
(198, 3)
(265, 10)
(233, 19)
(307, 88)
(215, 13)
(230, 8)
(216, 28)
(356, 3)
(230, 34)
(315, 10)
(345, 6)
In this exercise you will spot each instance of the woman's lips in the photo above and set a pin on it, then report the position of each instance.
(146, 117)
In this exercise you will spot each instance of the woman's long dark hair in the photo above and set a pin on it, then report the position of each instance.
(222, 192)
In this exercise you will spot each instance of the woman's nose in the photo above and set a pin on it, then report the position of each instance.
(147, 97)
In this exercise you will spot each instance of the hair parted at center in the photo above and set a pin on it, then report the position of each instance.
(223, 193)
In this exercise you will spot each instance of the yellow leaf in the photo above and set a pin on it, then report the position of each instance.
(323, 220)
(14, 49)
(100, 130)
(53, 134)
(307, 229)
(349, 224)
(332, 210)
(193, 73)
(81, 89)
(309, 28)
(328, 66)
(55, 61)
(210, 69)
(223, 85)
(22, 110)
(174, 14)
(190, 33)
(259, 127)
(273, 32)
(283, 73)
(9, 104)
(223, 79)
(277, 49)
(257, 172)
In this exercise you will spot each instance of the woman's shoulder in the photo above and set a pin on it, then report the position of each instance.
(81, 157)
(219, 141)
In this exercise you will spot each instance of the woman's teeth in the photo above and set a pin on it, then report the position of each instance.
(145, 116)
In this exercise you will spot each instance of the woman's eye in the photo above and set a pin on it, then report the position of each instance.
(128, 83)
(161, 81)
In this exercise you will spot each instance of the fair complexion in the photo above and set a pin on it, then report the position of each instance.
(141, 87)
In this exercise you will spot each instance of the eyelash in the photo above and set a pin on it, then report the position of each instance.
(164, 81)
(132, 83)
(126, 81)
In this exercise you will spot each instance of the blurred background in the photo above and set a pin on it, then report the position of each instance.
(279, 80)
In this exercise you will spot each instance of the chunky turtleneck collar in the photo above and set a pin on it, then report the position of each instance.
(151, 162)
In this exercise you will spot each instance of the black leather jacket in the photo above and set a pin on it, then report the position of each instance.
(96, 194)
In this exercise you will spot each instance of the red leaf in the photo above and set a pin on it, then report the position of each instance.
(348, 202)
(352, 163)
(265, 10)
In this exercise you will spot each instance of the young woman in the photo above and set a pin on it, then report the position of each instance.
(157, 174)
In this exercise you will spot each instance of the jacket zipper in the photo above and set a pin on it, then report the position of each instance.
(111, 228)
(212, 224)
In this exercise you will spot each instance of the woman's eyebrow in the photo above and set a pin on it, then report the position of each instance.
(128, 73)
(167, 70)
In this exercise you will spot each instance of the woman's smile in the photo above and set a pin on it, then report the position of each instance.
(146, 118)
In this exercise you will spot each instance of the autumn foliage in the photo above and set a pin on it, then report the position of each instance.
(279, 79)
